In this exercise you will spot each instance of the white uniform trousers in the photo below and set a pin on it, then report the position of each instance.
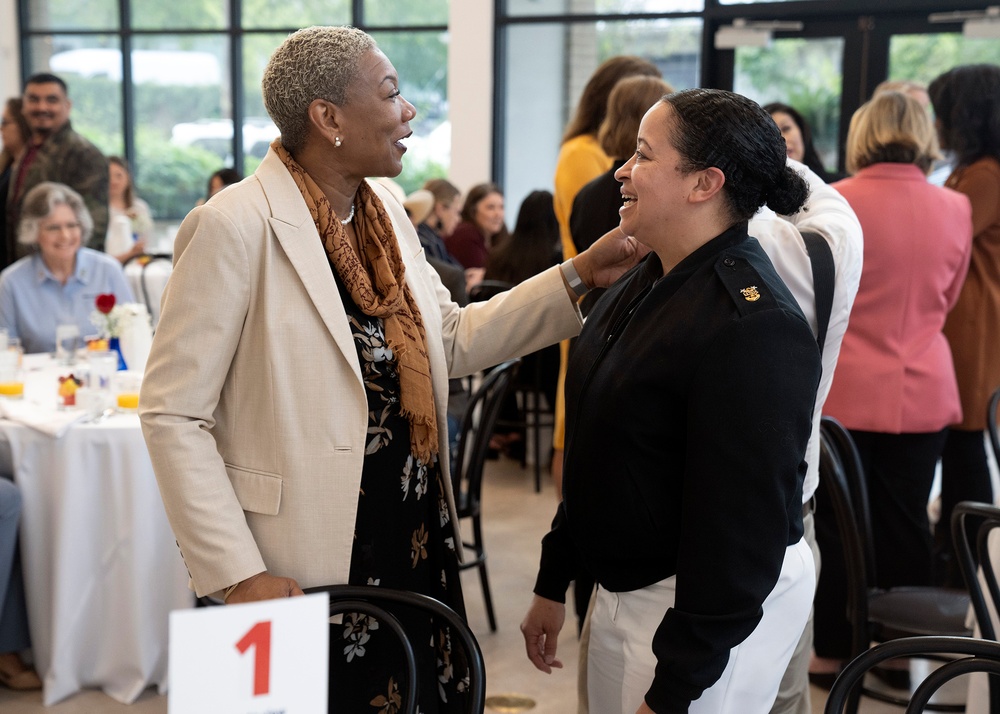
(621, 663)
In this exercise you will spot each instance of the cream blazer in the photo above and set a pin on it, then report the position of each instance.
(253, 406)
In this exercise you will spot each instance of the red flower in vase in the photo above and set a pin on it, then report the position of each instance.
(105, 302)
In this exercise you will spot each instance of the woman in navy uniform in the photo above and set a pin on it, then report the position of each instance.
(689, 404)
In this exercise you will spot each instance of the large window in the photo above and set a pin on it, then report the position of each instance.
(823, 57)
(803, 73)
(164, 83)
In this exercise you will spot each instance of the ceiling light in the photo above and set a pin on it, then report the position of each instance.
(750, 34)
(983, 25)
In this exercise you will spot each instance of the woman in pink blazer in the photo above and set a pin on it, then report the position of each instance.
(894, 387)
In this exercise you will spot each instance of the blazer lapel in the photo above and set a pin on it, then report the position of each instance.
(296, 233)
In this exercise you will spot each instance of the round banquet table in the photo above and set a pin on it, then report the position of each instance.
(101, 567)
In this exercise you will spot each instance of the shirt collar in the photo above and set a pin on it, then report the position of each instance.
(82, 271)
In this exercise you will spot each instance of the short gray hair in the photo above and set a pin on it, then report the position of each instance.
(313, 63)
(38, 205)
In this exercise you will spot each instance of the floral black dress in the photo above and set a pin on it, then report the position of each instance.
(403, 540)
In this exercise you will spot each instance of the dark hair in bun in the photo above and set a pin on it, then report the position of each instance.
(727, 131)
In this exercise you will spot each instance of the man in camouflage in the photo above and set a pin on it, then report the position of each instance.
(55, 153)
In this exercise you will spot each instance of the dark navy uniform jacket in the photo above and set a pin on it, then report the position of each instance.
(689, 404)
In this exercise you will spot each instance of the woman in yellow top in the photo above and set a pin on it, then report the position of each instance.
(581, 159)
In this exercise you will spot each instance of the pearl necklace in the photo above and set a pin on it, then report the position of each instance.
(350, 217)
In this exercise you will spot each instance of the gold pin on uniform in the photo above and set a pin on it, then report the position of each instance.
(750, 293)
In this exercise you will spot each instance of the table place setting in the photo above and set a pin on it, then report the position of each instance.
(52, 393)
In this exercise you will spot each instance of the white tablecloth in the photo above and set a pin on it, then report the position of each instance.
(157, 272)
(102, 570)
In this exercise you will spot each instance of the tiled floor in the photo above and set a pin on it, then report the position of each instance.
(515, 520)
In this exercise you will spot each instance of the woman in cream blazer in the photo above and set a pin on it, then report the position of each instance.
(253, 404)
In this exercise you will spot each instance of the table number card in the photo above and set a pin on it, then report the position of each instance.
(266, 657)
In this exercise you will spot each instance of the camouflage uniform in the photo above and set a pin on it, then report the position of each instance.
(68, 158)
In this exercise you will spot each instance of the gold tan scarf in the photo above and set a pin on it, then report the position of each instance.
(375, 281)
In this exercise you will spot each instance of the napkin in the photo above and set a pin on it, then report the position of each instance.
(48, 421)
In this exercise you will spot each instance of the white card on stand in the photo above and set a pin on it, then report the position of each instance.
(257, 658)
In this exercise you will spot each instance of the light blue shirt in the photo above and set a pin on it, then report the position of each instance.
(33, 302)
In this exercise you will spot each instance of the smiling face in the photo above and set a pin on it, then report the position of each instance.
(794, 146)
(489, 214)
(654, 188)
(46, 107)
(59, 235)
(375, 120)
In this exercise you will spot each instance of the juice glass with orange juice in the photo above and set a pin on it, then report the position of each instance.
(125, 385)
(11, 379)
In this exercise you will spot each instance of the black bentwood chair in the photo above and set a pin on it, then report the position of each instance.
(875, 614)
(380, 603)
(536, 412)
(974, 655)
(991, 424)
(467, 472)
(975, 559)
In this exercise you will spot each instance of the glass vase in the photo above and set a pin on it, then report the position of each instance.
(115, 346)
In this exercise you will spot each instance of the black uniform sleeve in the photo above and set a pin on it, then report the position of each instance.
(559, 562)
(748, 422)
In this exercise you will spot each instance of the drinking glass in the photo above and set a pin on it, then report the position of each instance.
(11, 378)
(67, 342)
(103, 365)
(126, 388)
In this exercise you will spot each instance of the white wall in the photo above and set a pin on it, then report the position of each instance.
(470, 91)
(10, 64)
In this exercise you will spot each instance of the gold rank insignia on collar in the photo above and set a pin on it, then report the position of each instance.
(750, 293)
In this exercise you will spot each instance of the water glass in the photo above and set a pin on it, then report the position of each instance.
(103, 365)
(67, 343)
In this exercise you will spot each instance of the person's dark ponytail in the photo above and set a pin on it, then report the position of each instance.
(788, 194)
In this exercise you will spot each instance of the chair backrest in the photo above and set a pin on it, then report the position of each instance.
(477, 426)
(834, 488)
(991, 423)
(857, 484)
(379, 603)
(153, 303)
(973, 556)
(487, 289)
(977, 656)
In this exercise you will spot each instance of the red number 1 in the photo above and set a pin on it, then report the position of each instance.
(259, 637)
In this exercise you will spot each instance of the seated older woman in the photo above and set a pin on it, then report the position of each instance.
(58, 283)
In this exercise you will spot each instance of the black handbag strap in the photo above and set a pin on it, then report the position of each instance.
(823, 272)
